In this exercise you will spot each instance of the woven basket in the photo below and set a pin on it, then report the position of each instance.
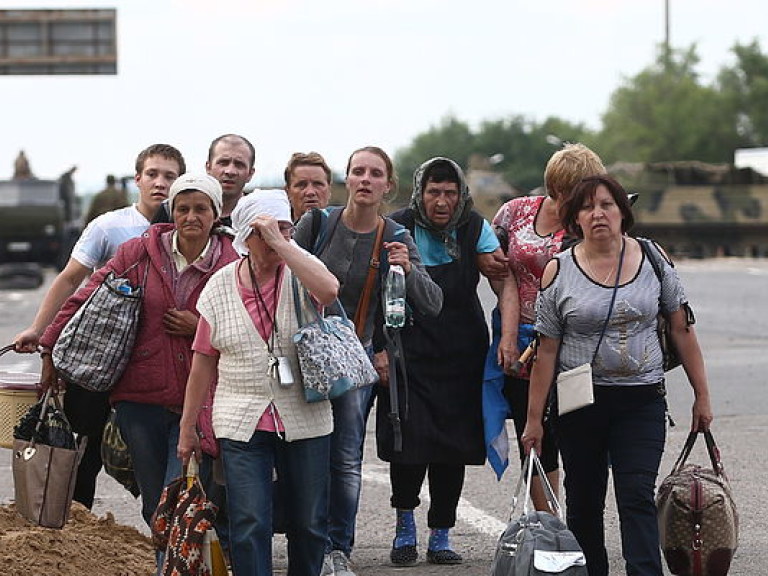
(18, 391)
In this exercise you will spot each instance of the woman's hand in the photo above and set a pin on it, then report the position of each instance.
(49, 378)
(508, 352)
(26, 342)
(398, 254)
(381, 364)
(702, 415)
(189, 444)
(493, 265)
(532, 436)
(268, 228)
(180, 322)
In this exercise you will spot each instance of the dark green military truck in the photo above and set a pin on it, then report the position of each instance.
(39, 222)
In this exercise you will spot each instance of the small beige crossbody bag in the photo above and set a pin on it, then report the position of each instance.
(575, 388)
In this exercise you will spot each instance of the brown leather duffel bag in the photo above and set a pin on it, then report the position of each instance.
(698, 522)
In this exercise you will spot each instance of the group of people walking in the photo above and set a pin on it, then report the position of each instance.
(219, 270)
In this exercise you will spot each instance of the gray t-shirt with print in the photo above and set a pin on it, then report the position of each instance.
(573, 309)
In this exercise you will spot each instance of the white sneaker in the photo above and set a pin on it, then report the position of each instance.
(341, 564)
(327, 566)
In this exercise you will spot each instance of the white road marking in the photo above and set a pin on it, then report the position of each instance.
(466, 512)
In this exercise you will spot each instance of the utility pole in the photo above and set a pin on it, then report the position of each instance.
(667, 47)
(666, 24)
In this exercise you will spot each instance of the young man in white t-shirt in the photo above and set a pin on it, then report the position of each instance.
(156, 168)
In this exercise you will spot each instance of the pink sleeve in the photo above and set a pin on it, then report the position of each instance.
(202, 342)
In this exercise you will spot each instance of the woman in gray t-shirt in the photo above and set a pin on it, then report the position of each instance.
(625, 427)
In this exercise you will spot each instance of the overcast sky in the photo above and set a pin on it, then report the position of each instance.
(334, 75)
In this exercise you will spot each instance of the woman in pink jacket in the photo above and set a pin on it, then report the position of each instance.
(176, 260)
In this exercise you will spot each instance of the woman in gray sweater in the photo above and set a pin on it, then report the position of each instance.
(349, 235)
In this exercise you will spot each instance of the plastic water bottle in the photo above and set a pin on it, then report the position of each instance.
(394, 297)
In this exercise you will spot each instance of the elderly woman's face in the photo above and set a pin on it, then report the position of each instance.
(193, 214)
(440, 201)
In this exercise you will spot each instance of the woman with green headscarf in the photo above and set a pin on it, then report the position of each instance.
(440, 406)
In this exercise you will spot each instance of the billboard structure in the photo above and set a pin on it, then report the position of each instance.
(45, 42)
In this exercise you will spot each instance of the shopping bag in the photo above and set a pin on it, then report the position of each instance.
(95, 346)
(331, 358)
(182, 526)
(45, 464)
(116, 457)
(537, 543)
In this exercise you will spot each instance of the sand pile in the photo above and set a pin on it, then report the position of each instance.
(87, 545)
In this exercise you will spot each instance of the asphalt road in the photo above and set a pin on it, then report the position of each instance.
(728, 296)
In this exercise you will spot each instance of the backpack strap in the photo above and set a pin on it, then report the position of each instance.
(653, 252)
(324, 223)
(649, 251)
(392, 233)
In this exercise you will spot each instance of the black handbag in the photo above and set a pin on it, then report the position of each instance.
(537, 543)
(663, 326)
(116, 457)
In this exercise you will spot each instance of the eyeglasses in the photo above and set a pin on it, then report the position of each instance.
(286, 228)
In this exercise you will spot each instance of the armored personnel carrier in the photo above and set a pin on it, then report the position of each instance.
(699, 210)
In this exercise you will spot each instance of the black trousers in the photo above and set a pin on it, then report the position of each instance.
(622, 432)
(87, 413)
(446, 482)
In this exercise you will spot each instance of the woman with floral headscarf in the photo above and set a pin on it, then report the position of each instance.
(440, 406)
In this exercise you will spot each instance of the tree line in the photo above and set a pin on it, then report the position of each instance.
(664, 113)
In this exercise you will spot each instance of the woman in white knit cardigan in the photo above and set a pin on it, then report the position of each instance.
(261, 419)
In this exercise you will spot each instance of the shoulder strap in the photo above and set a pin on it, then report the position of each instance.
(324, 225)
(365, 298)
(613, 301)
(654, 255)
(391, 228)
(645, 244)
(473, 230)
(317, 221)
(322, 222)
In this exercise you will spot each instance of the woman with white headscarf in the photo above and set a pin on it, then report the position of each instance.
(173, 262)
(261, 419)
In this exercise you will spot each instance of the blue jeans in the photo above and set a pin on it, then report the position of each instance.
(624, 428)
(350, 412)
(303, 465)
(152, 435)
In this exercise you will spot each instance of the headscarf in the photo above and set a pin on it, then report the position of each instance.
(460, 215)
(273, 202)
(204, 183)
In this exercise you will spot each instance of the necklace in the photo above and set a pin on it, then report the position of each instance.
(261, 305)
(592, 272)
